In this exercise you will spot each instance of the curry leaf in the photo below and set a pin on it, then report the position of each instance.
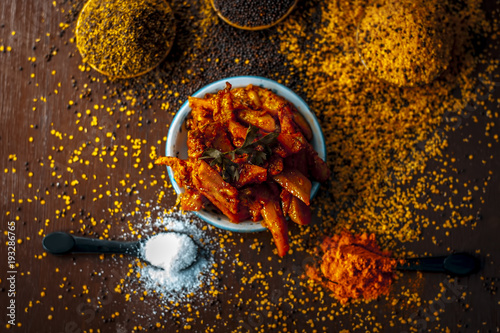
(249, 146)
(257, 156)
(250, 136)
(211, 153)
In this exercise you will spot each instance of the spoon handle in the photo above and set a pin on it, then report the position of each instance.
(426, 264)
(62, 242)
(460, 264)
(90, 245)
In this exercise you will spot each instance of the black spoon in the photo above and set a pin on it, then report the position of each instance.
(64, 243)
(459, 264)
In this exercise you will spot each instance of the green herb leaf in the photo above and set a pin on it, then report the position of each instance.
(258, 157)
(249, 146)
(251, 135)
(211, 153)
(230, 170)
(268, 139)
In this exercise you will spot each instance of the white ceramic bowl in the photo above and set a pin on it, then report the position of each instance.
(177, 140)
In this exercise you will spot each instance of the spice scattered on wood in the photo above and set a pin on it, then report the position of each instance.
(253, 15)
(406, 42)
(381, 137)
(375, 132)
(354, 267)
(123, 39)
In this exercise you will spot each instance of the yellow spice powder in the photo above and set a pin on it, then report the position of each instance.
(406, 42)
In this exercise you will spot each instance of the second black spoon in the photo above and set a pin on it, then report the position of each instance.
(459, 264)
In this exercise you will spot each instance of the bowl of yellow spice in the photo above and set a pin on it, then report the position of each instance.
(125, 38)
(404, 42)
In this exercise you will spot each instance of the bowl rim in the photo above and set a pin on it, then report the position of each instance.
(242, 81)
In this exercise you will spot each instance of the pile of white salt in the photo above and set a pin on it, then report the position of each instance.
(171, 251)
(179, 264)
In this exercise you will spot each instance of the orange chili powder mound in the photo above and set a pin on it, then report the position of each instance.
(353, 267)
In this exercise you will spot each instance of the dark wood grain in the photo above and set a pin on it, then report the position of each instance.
(77, 293)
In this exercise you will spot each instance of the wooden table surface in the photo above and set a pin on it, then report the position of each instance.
(73, 160)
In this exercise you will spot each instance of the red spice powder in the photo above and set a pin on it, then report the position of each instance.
(354, 267)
